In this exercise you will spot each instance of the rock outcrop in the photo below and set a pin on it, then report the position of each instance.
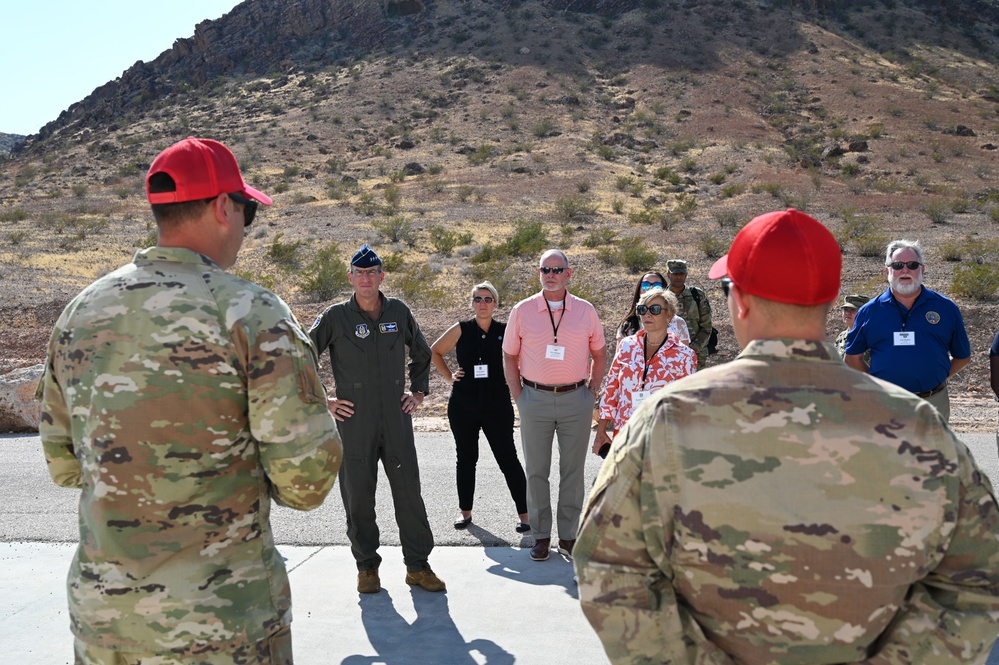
(19, 410)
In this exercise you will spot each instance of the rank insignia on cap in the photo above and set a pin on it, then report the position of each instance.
(361, 330)
(388, 327)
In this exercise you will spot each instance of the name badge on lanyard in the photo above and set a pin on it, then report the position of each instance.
(482, 371)
(639, 396)
(555, 352)
(905, 338)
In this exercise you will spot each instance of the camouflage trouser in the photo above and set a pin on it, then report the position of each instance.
(275, 650)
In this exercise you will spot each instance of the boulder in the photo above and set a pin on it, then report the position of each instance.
(19, 410)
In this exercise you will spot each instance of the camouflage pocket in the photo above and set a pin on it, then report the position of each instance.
(306, 362)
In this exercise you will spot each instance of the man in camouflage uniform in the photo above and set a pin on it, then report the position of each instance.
(182, 400)
(783, 508)
(851, 304)
(368, 337)
(694, 309)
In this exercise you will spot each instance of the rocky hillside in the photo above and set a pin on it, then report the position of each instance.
(462, 136)
(9, 141)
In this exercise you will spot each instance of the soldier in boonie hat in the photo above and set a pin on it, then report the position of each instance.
(854, 301)
(851, 304)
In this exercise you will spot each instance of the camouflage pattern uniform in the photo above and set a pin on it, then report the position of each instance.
(697, 315)
(181, 400)
(784, 508)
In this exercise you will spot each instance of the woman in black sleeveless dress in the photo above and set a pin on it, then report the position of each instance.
(480, 399)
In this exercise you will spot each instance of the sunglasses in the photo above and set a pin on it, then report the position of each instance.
(898, 265)
(486, 299)
(726, 285)
(651, 285)
(558, 270)
(654, 310)
(249, 208)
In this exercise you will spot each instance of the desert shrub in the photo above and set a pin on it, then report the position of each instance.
(636, 257)
(395, 229)
(15, 215)
(482, 154)
(546, 127)
(712, 245)
(442, 239)
(951, 250)
(727, 218)
(871, 244)
(617, 205)
(393, 262)
(325, 274)
(938, 211)
(974, 280)
(583, 186)
(623, 182)
(417, 284)
(392, 195)
(528, 239)
(572, 207)
(17, 237)
(600, 238)
(284, 254)
(993, 214)
(686, 204)
(731, 191)
(263, 279)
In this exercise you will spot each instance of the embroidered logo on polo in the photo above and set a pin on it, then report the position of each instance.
(932, 317)
(361, 330)
(388, 327)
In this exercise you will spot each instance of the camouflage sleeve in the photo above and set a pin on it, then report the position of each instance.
(299, 445)
(951, 615)
(704, 323)
(55, 428)
(625, 581)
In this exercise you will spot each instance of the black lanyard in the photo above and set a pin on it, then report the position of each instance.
(552, 316)
(902, 311)
(647, 357)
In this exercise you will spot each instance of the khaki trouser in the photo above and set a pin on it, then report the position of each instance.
(942, 401)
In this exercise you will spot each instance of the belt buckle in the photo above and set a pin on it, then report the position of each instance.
(555, 390)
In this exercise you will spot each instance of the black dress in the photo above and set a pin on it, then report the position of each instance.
(483, 403)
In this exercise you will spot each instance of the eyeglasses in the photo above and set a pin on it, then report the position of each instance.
(654, 310)
(651, 285)
(898, 265)
(370, 272)
(558, 270)
(486, 299)
(726, 285)
(249, 208)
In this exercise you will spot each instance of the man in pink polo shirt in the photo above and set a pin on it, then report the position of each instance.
(554, 357)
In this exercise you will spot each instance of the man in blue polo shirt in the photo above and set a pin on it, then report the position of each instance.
(916, 336)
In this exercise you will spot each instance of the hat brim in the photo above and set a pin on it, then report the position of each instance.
(256, 195)
(719, 269)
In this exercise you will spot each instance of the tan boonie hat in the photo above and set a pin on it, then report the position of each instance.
(854, 301)
(676, 265)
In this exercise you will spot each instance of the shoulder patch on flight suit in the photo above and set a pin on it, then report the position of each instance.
(361, 330)
(316, 322)
(388, 327)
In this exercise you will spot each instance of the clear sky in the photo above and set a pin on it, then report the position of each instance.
(54, 53)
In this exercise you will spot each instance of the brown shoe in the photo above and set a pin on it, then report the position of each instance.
(540, 550)
(426, 579)
(367, 581)
(565, 546)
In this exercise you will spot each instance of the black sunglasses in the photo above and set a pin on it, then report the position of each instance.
(726, 284)
(654, 310)
(558, 270)
(898, 265)
(249, 208)
(486, 299)
(651, 285)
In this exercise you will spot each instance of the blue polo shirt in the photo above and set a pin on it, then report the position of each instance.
(939, 332)
(994, 351)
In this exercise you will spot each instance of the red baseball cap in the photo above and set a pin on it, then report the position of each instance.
(201, 169)
(784, 256)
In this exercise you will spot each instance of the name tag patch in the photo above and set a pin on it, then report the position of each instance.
(388, 327)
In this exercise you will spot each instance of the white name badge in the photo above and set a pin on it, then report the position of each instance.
(555, 352)
(905, 339)
(640, 396)
(482, 371)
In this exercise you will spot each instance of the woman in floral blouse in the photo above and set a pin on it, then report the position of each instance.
(644, 363)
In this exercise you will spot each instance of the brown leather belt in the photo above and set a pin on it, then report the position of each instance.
(555, 389)
(931, 393)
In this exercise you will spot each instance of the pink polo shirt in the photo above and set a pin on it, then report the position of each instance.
(529, 332)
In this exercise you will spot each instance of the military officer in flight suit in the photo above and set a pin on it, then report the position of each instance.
(368, 337)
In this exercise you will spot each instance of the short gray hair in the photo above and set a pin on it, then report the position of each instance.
(896, 245)
(671, 302)
(554, 252)
(488, 286)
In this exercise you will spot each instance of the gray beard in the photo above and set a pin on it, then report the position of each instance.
(906, 289)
